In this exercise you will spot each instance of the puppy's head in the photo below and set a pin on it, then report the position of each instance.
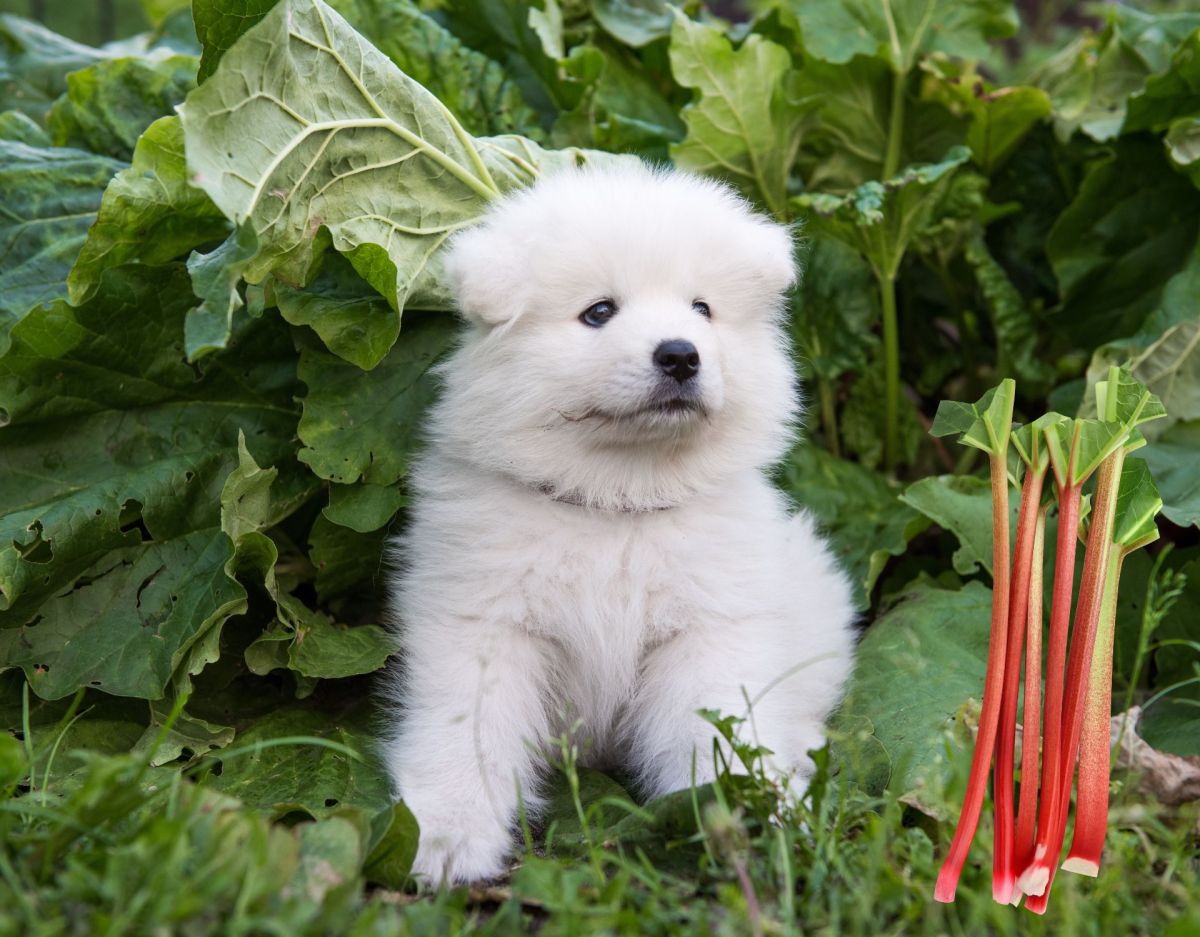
(625, 347)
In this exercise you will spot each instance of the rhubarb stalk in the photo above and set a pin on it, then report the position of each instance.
(1031, 719)
(1028, 443)
(1138, 503)
(985, 425)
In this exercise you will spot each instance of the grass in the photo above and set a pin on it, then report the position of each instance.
(106, 845)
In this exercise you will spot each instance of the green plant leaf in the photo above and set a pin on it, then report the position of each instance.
(149, 213)
(110, 103)
(363, 424)
(633, 22)
(328, 651)
(51, 197)
(859, 510)
(914, 669)
(1170, 368)
(351, 318)
(1172, 461)
(961, 504)
(363, 507)
(19, 128)
(219, 23)
(310, 778)
(1168, 96)
(984, 424)
(35, 64)
(880, 219)
(1138, 504)
(1173, 725)
(387, 179)
(1131, 227)
(900, 31)
(215, 279)
(104, 477)
(345, 559)
(836, 307)
(394, 847)
(747, 119)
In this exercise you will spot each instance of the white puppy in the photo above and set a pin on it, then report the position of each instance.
(593, 536)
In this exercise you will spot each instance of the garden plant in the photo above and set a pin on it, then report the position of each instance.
(221, 305)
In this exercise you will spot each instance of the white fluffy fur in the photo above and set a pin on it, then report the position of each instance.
(573, 559)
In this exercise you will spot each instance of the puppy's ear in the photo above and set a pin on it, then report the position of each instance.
(774, 255)
(483, 266)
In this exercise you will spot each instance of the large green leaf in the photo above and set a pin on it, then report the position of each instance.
(109, 104)
(634, 22)
(150, 213)
(900, 31)
(1173, 94)
(114, 457)
(1172, 459)
(1131, 227)
(301, 776)
(859, 510)
(984, 424)
(388, 174)
(219, 23)
(747, 119)
(35, 64)
(1093, 79)
(961, 504)
(880, 219)
(51, 196)
(363, 425)
(915, 669)
(1170, 368)
(1138, 504)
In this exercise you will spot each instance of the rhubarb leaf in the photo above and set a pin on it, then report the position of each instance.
(914, 668)
(1138, 504)
(961, 504)
(900, 31)
(299, 776)
(859, 510)
(880, 219)
(835, 309)
(747, 119)
(51, 195)
(150, 213)
(1172, 460)
(387, 176)
(985, 424)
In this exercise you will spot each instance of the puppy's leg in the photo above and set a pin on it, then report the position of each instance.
(790, 693)
(473, 715)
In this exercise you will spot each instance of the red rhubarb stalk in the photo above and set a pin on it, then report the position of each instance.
(1091, 798)
(985, 425)
(993, 688)
(1004, 870)
(1091, 589)
(1031, 720)
(1034, 879)
(1138, 503)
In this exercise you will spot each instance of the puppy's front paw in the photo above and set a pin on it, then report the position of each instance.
(460, 849)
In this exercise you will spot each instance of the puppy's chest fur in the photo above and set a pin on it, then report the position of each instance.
(600, 591)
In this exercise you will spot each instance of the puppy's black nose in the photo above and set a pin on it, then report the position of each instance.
(678, 359)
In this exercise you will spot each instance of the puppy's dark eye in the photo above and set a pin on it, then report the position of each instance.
(702, 307)
(598, 313)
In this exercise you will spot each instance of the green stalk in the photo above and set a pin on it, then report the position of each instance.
(891, 371)
(891, 159)
(829, 415)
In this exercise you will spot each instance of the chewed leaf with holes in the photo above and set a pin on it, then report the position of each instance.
(305, 128)
(111, 469)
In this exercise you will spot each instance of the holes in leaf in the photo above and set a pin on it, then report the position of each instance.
(188, 475)
(331, 802)
(131, 520)
(4, 417)
(37, 550)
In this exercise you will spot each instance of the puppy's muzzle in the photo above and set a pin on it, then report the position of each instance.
(677, 359)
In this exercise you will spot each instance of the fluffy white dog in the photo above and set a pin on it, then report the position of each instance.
(593, 536)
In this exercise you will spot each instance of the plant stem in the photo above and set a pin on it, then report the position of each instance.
(829, 415)
(1034, 879)
(1087, 614)
(891, 371)
(993, 687)
(1031, 722)
(1091, 797)
(891, 159)
(1003, 872)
